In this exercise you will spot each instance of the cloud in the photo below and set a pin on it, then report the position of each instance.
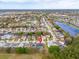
(38, 1)
(63, 4)
(14, 0)
(40, 4)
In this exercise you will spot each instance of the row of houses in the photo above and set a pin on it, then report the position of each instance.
(10, 40)
(21, 29)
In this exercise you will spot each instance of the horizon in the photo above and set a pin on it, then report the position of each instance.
(39, 9)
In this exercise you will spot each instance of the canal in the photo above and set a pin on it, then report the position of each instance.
(71, 30)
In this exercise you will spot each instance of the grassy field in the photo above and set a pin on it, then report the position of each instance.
(21, 56)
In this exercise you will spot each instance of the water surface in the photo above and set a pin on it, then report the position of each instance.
(71, 30)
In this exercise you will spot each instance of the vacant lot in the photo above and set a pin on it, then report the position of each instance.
(21, 56)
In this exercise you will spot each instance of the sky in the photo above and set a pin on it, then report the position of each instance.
(39, 4)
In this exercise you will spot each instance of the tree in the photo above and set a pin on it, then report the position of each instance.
(72, 50)
(22, 50)
(56, 26)
(30, 33)
(54, 49)
(54, 52)
(20, 33)
(39, 33)
(8, 50)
